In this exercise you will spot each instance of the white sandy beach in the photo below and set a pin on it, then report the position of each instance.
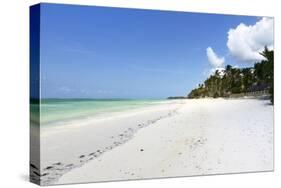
(177, 138)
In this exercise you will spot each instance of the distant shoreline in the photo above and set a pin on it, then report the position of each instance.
(255, 94)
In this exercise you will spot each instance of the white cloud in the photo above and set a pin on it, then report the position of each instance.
(214, 59)
(246, 41)
(216, 62)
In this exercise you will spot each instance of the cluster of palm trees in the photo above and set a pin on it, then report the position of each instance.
(233, 80)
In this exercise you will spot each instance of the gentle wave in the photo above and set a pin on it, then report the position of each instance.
(54, 110)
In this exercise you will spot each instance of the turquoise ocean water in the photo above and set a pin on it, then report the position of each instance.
(54, 110)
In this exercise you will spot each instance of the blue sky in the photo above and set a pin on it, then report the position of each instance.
(98, 52)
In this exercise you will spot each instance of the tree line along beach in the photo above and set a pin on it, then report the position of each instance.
(239, 82)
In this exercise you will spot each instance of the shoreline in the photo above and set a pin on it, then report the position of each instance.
(81, 109)
(110, 132)
(103, 114)
(182, 138)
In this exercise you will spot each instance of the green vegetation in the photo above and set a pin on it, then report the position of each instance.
(177, 97)
(239, 80)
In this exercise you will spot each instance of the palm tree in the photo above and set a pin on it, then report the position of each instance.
(235, 80)
(268, 73)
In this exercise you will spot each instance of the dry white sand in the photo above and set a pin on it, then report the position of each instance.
(181, 138)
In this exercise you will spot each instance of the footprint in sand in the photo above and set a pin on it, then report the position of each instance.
(69, 165)
(56, 170)
(58, 163)
(48, 168)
